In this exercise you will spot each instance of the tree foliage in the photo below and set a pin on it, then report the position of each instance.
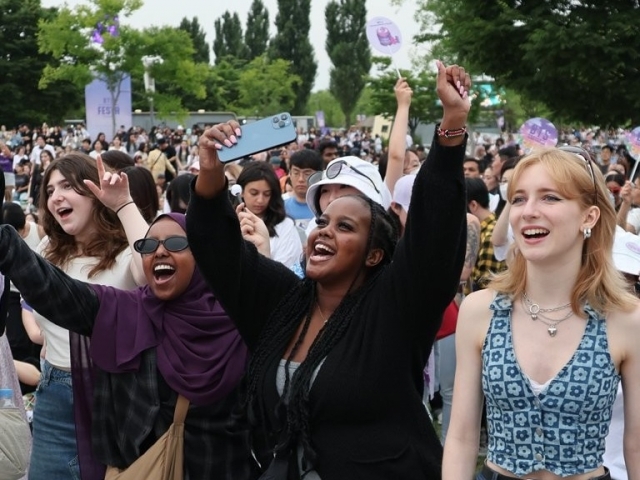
(198, 39)
(229, 40)
(22, 65)
(425, 107)
(324, 101)
(349, 51)
(291, 43)
(180, 83)
(69, 38)
(575, 57)
(266, 87)
(256, 35)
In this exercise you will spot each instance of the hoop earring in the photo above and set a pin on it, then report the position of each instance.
(587, 233)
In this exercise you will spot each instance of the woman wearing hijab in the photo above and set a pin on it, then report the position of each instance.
(149, 345)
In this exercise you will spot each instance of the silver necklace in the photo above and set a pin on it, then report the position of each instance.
(321, 313)
(536, 312)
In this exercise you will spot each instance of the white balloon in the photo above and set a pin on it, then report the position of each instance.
(236, 190)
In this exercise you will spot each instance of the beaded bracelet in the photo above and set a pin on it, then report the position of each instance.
(450, 133)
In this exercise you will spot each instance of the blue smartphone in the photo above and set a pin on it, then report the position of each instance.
(259, 136)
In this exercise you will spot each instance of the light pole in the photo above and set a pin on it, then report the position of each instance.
(148, 61)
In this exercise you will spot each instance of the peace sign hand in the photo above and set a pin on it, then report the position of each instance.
(113, 191)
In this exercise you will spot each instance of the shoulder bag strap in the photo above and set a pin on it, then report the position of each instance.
(182, 407)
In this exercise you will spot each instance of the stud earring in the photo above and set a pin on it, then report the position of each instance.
(586, 233)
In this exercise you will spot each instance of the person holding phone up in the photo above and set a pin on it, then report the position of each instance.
(334, 385)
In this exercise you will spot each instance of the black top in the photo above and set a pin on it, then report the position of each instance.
(367, 419)
(130, 410)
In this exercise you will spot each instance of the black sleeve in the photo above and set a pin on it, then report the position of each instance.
(67, 302)
(248, 285)
(427, 264)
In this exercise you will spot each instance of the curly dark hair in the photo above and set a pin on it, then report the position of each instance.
(283, 323)
(109, 238)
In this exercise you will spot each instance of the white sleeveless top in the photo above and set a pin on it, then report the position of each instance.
(119, 276)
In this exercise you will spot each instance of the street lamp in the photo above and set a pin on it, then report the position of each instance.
(148, 61)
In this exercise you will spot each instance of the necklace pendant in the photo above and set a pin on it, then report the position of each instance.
(552, 331)
(534, 316)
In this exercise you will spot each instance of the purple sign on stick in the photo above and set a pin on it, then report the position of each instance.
(538, 132)
(384, 35)
(633, 139)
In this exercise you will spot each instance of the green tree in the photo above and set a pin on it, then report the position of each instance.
(266, 87)
(425, 107)
(89, 42)
(198, 39)
(22, 65)
(547, 51)
(180, 83)
(71, 39)
(348, 49)
(291, 43)
(228, 41)
(256, 35)
(325, 102)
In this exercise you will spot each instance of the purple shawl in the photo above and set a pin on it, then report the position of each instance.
(200, 353)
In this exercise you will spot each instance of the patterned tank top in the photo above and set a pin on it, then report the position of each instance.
(563, 429)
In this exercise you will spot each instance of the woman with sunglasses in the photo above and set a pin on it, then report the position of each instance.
(148, 345)
(334, 385)
(549, 340)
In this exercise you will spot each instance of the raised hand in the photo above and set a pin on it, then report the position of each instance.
(453, 86)
(113, 190)
(213, 139)
(254, 229)
(403, 93)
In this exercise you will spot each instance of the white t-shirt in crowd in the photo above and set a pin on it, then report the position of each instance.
(57, 338)
(37, 150)
(614, 452)
(500, 252)
(633, 218)
(286, 246)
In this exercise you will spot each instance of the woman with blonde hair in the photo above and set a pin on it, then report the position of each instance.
(549, 340)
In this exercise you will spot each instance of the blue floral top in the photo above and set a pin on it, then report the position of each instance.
(563, 429)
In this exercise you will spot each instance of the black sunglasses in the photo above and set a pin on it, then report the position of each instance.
(584, 156)
(334, 170)
(145, 246)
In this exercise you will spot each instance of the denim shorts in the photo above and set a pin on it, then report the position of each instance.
(54, 455)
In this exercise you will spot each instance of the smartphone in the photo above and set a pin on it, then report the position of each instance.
(260, 136)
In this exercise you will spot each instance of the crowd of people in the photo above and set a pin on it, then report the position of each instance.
(310, 303)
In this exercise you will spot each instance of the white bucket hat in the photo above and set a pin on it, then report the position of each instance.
(355, 172)
(402, 191)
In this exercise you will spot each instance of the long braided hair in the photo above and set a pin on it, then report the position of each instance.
(293, 407)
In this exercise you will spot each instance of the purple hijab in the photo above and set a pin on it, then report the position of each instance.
(200, 353)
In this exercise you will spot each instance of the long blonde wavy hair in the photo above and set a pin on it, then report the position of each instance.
(598, 282)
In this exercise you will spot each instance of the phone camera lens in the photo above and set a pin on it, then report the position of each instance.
(281, 124)
(276, 119)
(283, 116)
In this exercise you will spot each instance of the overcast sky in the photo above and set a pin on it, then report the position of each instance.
(171, 12)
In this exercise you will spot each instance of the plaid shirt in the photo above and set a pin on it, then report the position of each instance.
(486, 263)
(130, 410)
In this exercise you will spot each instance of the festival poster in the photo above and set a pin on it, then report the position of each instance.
(98, 106)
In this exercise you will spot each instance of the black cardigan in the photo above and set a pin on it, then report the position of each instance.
(367, 419)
